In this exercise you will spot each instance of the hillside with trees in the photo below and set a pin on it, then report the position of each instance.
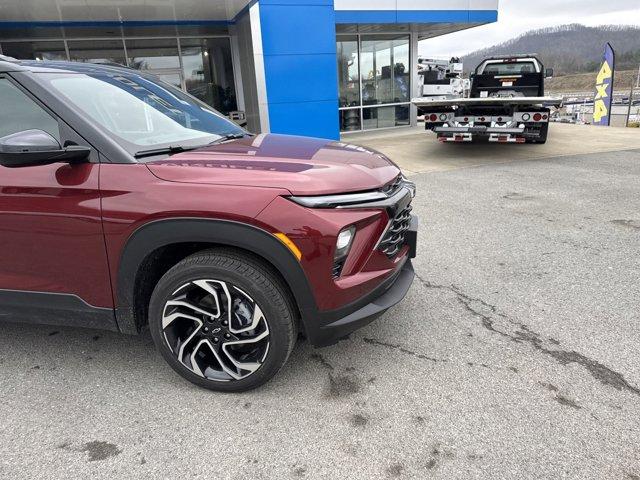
(570, 48)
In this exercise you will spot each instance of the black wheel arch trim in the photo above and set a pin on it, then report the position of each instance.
(164, 232)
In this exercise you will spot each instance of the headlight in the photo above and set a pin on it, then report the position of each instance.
(343, 243)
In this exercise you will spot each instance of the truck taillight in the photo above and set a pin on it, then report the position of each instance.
(433, 117)
(537, 117)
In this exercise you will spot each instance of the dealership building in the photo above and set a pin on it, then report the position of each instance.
(304, 67)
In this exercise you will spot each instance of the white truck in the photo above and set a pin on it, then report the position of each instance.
(442, 79)
(506, 104)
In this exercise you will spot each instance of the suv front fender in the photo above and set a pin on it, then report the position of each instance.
(161, 233)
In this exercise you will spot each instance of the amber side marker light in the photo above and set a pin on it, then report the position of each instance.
(290, 245)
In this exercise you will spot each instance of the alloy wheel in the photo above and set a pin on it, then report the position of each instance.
(216, 330)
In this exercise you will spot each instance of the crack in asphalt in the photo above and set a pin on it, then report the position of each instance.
(487, 314)
(400, 348)
(322, 361)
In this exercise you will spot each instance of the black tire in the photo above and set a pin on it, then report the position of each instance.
(244, 275)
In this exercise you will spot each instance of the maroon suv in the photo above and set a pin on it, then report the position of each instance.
(136, 205)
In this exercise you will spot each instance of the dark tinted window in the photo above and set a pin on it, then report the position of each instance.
(509, 68)
(18, 112)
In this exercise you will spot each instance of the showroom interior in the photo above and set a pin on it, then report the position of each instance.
(305, 67)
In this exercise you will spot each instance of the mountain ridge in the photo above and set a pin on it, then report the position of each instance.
(572, 48)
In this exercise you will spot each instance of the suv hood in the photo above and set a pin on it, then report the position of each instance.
(302, 165)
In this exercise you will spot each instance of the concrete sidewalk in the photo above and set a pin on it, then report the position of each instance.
(417, 151)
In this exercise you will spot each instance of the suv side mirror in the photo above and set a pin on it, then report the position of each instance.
(36, 147)
(548, 73)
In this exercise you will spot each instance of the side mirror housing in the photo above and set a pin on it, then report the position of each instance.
(36, 147)
(548, 73)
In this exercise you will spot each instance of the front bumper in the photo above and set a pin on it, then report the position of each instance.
(344, 321)
(333, 325)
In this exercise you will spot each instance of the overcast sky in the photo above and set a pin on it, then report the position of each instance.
(518, 16)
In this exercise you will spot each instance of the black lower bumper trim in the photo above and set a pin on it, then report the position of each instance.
(385, 297)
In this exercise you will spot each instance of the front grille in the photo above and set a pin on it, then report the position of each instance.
(393, 239)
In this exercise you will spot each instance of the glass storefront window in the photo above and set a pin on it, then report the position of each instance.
(348, 73)
(97, 51)
(350, 120)
(157, 56)
(153, 54)
(385, 117)
(373, 69)
(202, 67)
(385, 69)
(35, 50)
(208, 71)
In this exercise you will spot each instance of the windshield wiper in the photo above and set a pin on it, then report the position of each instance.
(170, 150)
(230, 136)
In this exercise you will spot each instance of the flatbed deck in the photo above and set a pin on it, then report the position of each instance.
(425, 102)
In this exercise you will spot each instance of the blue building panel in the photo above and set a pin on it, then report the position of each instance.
(313, 119)
(415, 16)
(299, 47)
(483, 16)
(296, 29)
(310, 80)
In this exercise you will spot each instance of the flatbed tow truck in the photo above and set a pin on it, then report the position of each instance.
(506, 104)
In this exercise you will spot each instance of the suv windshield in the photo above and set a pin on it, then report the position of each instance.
(508, 68)
(144, 114)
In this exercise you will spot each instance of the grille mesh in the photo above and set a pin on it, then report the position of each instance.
(393, 239)
(337, 268)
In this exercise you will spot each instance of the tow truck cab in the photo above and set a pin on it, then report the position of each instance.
(518, 76)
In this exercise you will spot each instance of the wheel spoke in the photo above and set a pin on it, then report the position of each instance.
(249, 366)
(207, 287)
(169, 319)
(194, 365)
(187, 341)
(191, 306)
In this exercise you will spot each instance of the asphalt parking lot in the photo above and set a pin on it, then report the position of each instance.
(514, 355)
